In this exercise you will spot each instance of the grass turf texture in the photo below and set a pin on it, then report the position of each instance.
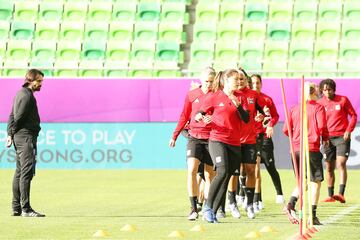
(80, 202)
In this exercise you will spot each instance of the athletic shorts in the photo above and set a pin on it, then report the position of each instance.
(199, 149)
(259, 143)
(337, 147)
(226, 155)
(316, 166)
(248, 153)
(267, 152)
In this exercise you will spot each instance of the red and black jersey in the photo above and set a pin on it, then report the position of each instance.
(193, 101)
(226, 122)
(337, 112)
(273, 114)
(248, 133)
(317, 128)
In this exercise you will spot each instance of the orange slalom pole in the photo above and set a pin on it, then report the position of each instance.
(301, 157)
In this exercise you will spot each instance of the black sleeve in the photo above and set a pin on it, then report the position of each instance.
(10, 124)
(245, 116)
(20, 111)
(257, 106)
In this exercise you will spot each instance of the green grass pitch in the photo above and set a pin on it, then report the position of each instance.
(80, 202)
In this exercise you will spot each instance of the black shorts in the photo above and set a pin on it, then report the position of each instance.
(259, 143)
(248, 153)
(267, 152)
(226, 155)
(316, 166)
(337, 147)
(199, 149)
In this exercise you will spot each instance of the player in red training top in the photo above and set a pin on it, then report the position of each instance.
(223, 112)
(338, 109)
(265, 146)
(317, 132)
(197, 146)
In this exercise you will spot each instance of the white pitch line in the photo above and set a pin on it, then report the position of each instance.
(334, 218)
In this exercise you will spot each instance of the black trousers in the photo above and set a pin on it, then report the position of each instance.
(25, 146)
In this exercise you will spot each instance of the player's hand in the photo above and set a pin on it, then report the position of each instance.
(269, 132)
(8, 141)
(207, 119)
(267, 110)
(172, 143)
(347, 136)
(259, 117)
(198, 117)
(326, 143)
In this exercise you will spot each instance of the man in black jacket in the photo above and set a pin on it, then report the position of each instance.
(23, 130)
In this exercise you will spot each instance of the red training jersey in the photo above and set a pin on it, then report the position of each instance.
(226, 123)
(316, 125)
(273, 114)
(193, 100)
(337, 112)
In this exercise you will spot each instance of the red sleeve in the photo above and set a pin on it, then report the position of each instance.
(274, 114)
(322, 124)
(285, 128)
(207, 105)
(184, 118)
(350, 111)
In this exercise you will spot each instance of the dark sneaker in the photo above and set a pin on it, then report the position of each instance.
(16, 213)
(339, 198)
(32, 213)
(316, 221)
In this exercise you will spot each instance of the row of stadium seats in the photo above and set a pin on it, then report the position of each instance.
(93, 10)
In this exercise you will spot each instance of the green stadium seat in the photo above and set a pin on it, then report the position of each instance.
(115, 69)
(22, 30)
(124, 12)
(304, 31)
(143, 51)
(148, 11)
(207, 12)
(350, 30)
(171, 31)
(301, 50)
(253, 30)
(351, 10)
(26, 10)
(93, 50)
(118, 51)
(325, 68)
(165, 69)
(6, 10)
(330, 10)
(47, 30)
(51, 11)
(90, 68)
(19, 49)
(72, 30)
(15, 68)
(281, 11)
(226, 52)
(96, 30)
(168, 51)
(195, 67)
(279, 31)
(146, 30)
(204, 32)
(348, 68)
(251, 66)
(251, 51)
(326, 50)
(44, 51)
(276, 51)
(67, 68)
(2, 49)
(297, 68)
(256, 10)
(328, 31)
(228, 31)
(4, 30)
(202, 52)
(121, 31)
(305, 10)
(100, 11)
(349, 50)
(140, 69)
(274, 69)
(45, 66)
(75, 11)
(174, 12)
(223, 65)
(68, 50)
(232, 11)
